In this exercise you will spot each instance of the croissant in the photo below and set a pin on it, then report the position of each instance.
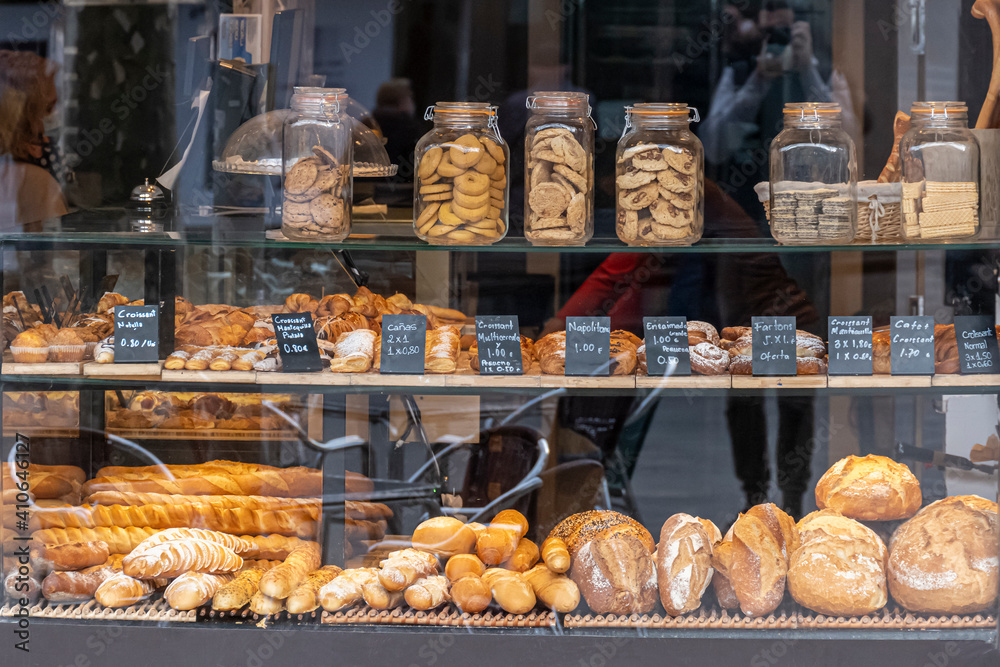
(555, 554)
(364, 302)
(174, 557)
(334, 305)
(402, 568)
(300, 303)
(524, 556)
(279, 582)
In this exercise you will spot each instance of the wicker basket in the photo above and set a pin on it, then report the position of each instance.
(880, 219)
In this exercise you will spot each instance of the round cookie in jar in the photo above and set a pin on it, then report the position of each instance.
(659, 177)
(559, 169)
(316, 167)
(460, 188)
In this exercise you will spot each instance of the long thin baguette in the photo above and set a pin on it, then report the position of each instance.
(119, 540)
(175, 557)
(353, 509)
(299, 521)
(279, 582)
(237, 593)
(305, 597)
(275, 547)
(291, 483)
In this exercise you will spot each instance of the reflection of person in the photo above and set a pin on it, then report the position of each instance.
(748, 284)
(28, 190)
(395, 113)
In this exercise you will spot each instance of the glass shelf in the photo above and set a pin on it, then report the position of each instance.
(110, 227)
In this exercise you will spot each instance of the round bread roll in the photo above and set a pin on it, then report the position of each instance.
(869, 488)
(840, 567)
(944, 559)
(444, 536)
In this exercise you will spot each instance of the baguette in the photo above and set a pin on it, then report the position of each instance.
(460, 565)
(75, 555)
(555, 554)
(279, 582)
(402, 568)
(345, 589)
(121, 590)
(238, 592)
(305, 597)
(556, 591)
(471, 594)
(194, 589)
(289, 483)
(119, 540)
(354, 509)
(427, 593)
(75, 586)
(510, 590)
(264, 605)
(524, 556)
(174, 557)
(498, 542)
(238, 545)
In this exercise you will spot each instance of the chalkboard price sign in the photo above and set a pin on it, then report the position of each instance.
(404, 341)
(850, 348)
(296, 340)
(977, 344)
(498, 339)
(137, 334)
(588, 345)
(667, 348)
(773, 346)
(911, 344)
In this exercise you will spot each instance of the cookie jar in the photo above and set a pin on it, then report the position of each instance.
(316, 167)
(813, 177)
(559, 173)
(940, 159)
(659, 177)
(460, 188)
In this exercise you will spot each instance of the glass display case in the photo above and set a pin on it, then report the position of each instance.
(551, 441)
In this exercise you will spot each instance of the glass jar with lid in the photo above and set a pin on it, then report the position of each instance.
(659, 177)
(460, 187)
(559, 169)
(940, 185)
(813, 177)
(316, 167)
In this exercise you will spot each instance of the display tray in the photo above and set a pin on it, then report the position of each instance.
(202, 434)
(43, 431)
(209, 376)
(154, 611)
(643, 381)
(443, 617)
(94, 369)
(47, 368)
(795, 618)
(888, 381)
(781, 382)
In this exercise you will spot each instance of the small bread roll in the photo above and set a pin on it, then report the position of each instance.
(460, 565)
(471, 594)
(498, 542)
(510, 590)
(444, 536)
(524, 556)
(555, 554)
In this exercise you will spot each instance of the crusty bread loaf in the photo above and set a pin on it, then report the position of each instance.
(578, 529)
(722, 562)
(944, 559)
(839, 575)
(498, 542)
(402, 568)
(826, 523)
(75, 586)
(345, 589)
(75, 555)
(683, 563)
(555, 591)
(194, 589)
(427, 592)
(305, 597)
(763, 539)
(238, 545)
(444, 536)
(175, 557)
(870, 488)
(616, 574)
(280, 581)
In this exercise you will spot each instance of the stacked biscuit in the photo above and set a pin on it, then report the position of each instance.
(657, 195)
(811, 215)
(461, 191)
(560, 178)
(314, 204)
(933, 209)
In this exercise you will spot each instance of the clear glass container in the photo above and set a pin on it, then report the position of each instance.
(559, 172)
(460, 188)
(814, 177)
(659, 177)
(940, 159)
(316, 167)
